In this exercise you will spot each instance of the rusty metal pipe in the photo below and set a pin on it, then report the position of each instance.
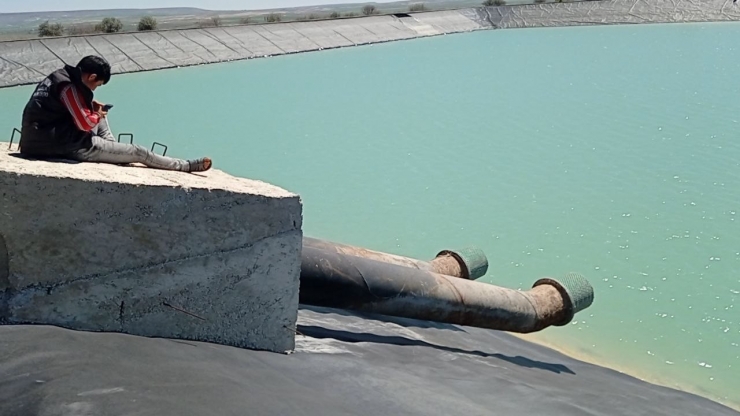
(467, 263)
(341, 281)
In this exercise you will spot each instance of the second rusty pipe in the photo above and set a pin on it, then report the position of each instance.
(466, 263)
(342, 281)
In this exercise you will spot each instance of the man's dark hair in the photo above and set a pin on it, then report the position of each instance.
(95, 65)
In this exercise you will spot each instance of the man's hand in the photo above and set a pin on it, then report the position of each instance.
(98, 108)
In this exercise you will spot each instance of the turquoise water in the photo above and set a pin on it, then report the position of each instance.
(611, 151)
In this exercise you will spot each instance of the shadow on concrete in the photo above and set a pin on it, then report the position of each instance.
(404, 322)
(54, 160)
(74, 162)
(352, 337)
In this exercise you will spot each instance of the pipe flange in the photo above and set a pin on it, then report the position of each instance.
(472, 260)
(577, 293)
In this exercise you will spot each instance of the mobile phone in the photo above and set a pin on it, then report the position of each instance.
(107, 107)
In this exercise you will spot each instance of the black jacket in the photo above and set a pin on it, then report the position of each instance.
(48, 129)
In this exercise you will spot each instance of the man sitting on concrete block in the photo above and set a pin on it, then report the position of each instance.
(63, 120)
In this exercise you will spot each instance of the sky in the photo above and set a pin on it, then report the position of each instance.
(15, 6)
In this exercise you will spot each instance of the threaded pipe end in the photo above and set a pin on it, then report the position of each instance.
(577, 293)
(472, 260)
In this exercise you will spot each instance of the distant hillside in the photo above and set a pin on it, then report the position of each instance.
(24, 19)
(24, 25)
(27, 22)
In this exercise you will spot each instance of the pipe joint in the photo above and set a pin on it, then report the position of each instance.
(472, 261)
(576, 291)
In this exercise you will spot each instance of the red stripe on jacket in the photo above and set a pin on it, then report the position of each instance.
(84, 118)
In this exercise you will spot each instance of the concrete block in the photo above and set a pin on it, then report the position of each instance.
(119, 62)
(285, 37)
(96, 247)
(25, 62)
(218, 50)
(70, 50)
(198, 54)
(322, 34)
(225, 38)
(142, 54)
(353, 31)
(255, 43)
(452, 21)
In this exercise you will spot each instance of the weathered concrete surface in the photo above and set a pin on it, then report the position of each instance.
(610, 12)
(101, 247)
(28, 62)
